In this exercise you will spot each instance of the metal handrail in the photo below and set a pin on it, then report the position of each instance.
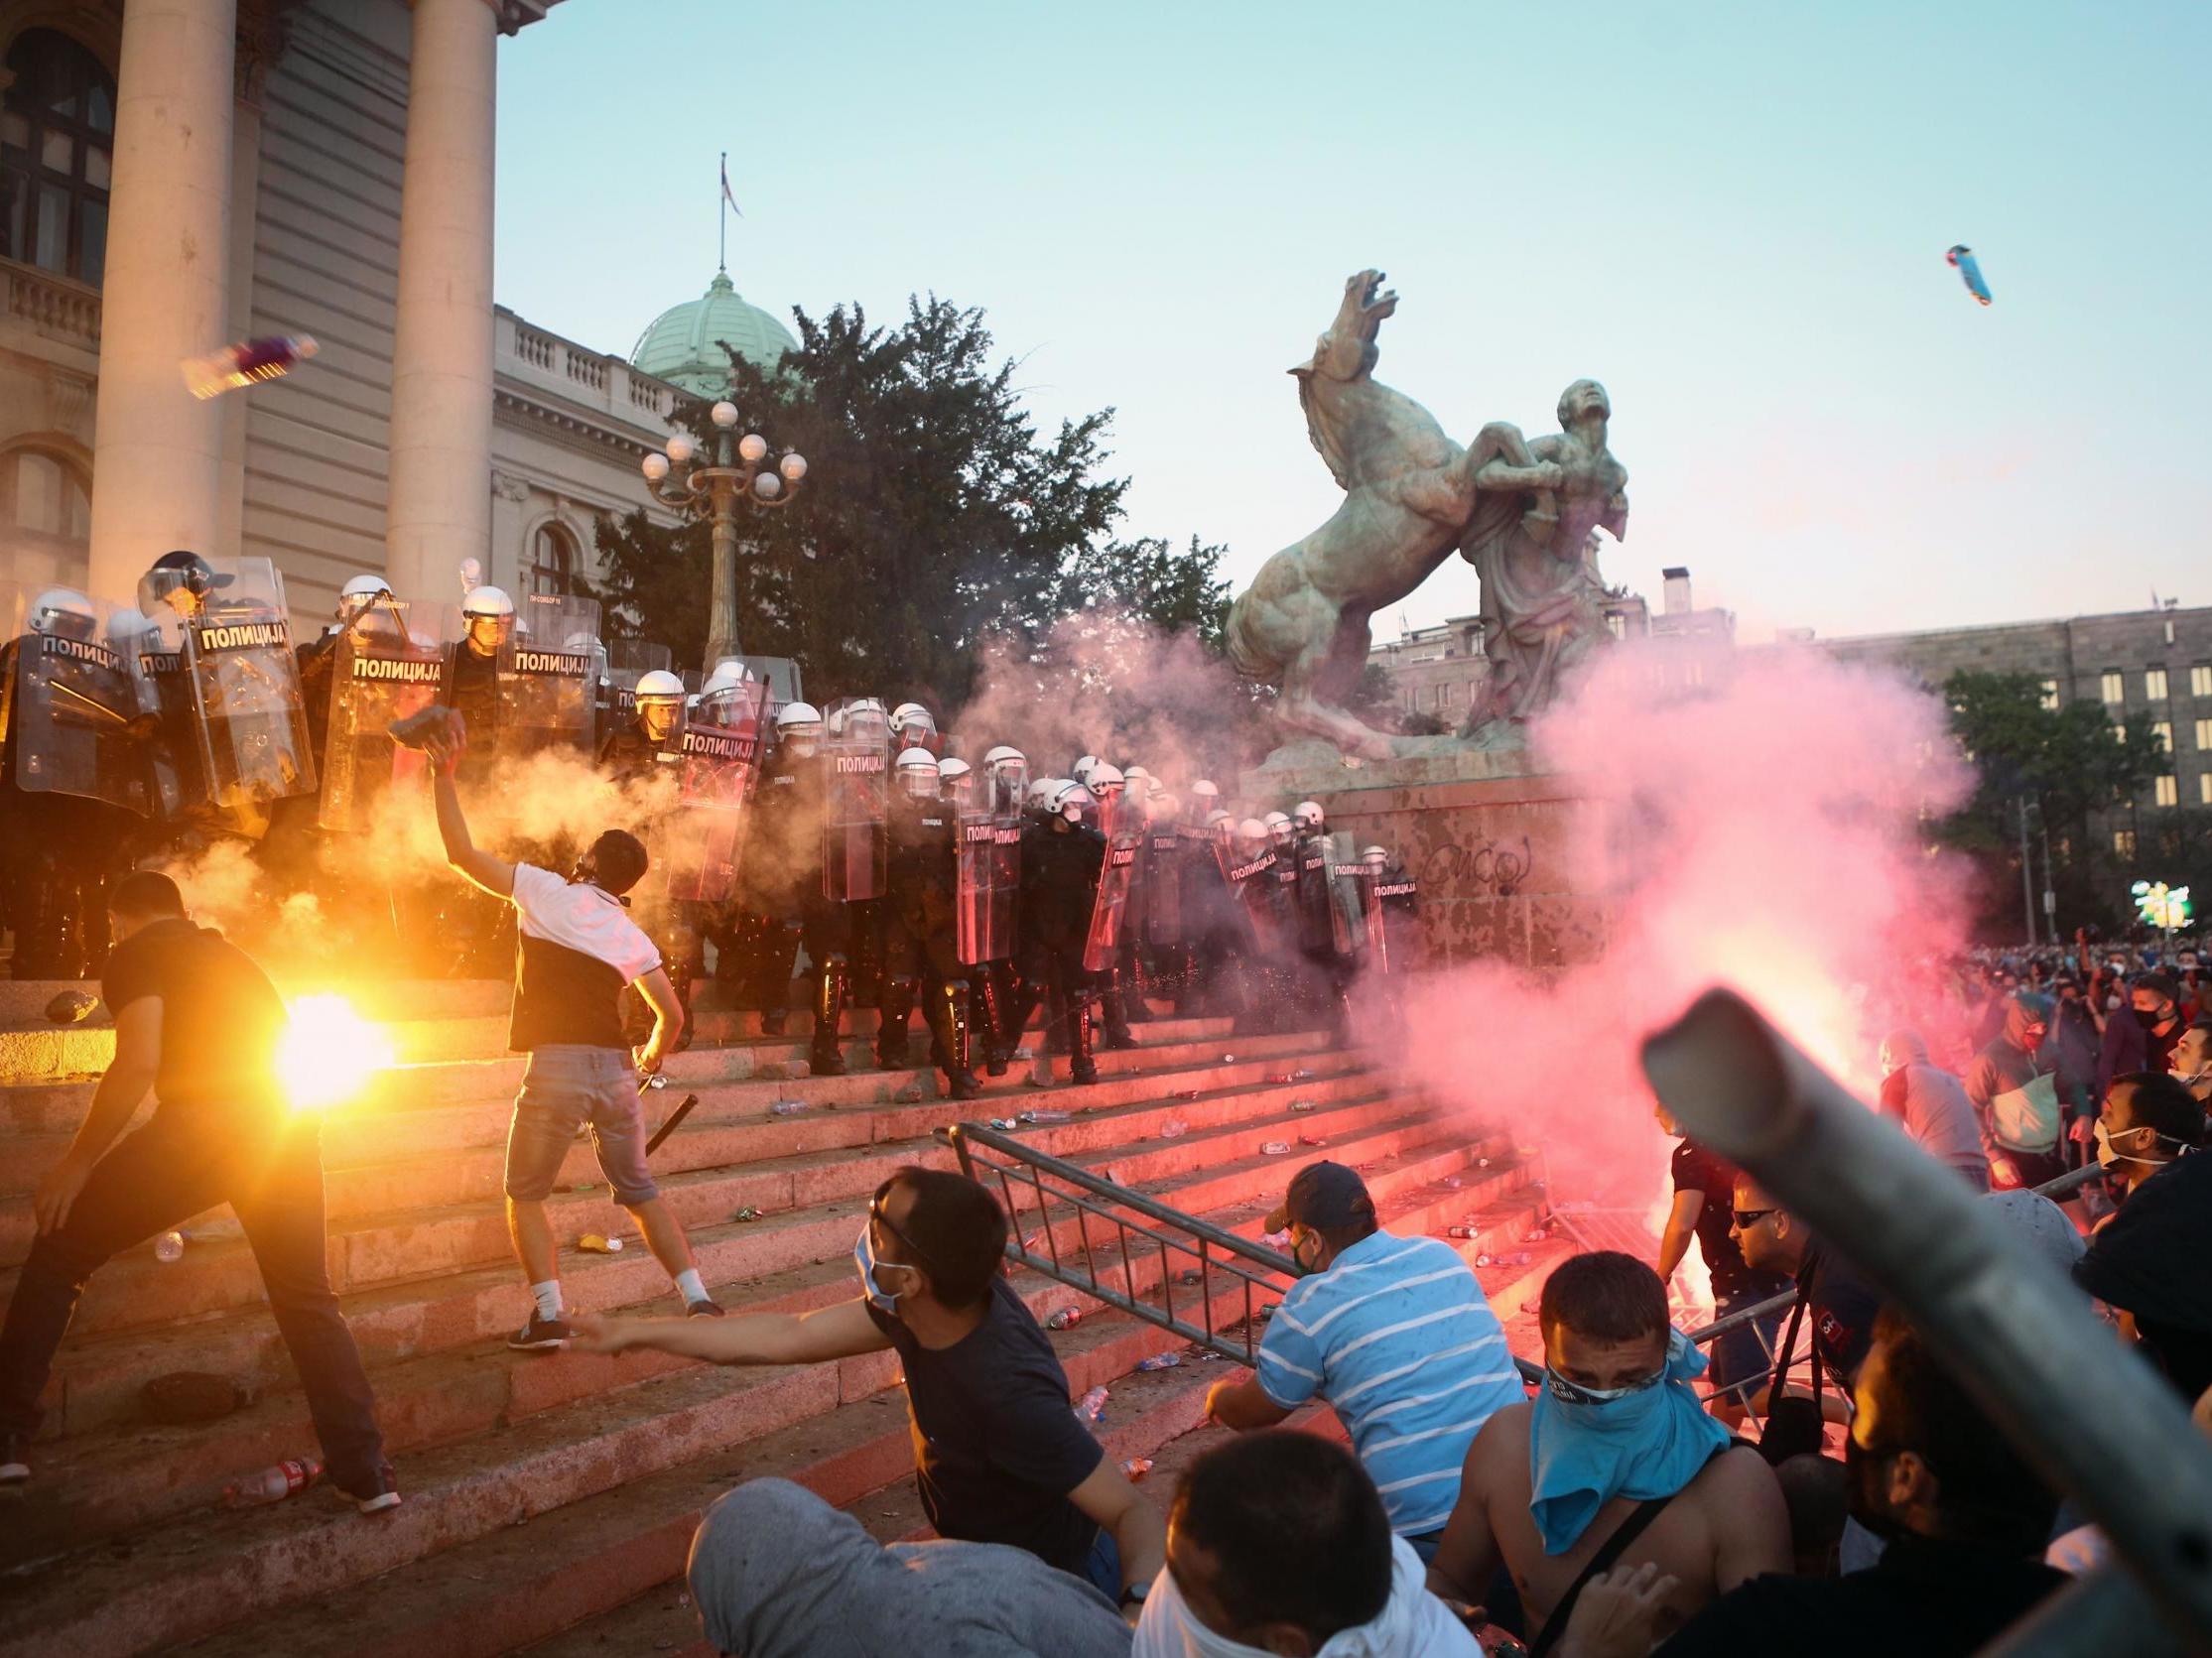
(1261, 1270)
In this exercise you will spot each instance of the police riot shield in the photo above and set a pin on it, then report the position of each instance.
(700, 846)
(1252, 883)
(1397, 901)
(1160, 877)
(1354, 918)
(856, 844)
(1122, 821)
(381, 673)
(548, 671)
(989, 870)
(233, 733)
(74, 721)
(627, 662)
(1310, 857)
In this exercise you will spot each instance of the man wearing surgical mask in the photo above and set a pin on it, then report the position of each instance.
(2149, 1119)
(2191, 1062)
(1617, 1437)
(1000, 1457)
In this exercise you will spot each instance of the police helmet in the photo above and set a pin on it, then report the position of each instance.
(64, 613)
(1068, 798)
(952, 772)
(916, 770)
(1278, 824)
(1217, 820)
(1206, 789)
(178, 572)
(1374, 854)
(1103, 780)
(1252, 829)
(487, 600)
(798, 719)
(1307, 814)
(1083, 768)
(659, 685)
(1041, 792)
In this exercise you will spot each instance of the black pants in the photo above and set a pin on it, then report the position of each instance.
(271, 1173)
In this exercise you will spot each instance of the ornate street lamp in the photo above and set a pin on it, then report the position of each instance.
(713, 491)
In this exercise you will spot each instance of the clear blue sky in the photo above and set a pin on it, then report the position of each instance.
(1733, 214)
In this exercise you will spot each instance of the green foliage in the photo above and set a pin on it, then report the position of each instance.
(932, 517)
(2067, 763)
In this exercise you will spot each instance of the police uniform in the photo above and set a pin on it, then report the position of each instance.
(920, 942)
(784, 861)
(1059, 866)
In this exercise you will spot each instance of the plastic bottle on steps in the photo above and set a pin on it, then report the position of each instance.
(169, 1246)
(1092, 1406)
(272, 1483)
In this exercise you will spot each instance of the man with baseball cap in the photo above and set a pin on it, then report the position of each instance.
(1394, 1333)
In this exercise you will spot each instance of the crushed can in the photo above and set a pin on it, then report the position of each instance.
(1065, 1317)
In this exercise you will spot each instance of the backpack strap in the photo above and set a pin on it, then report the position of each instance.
(1611, 1549)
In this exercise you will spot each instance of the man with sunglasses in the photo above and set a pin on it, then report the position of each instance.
(999, 1458)
(1613, 1459)
(1838, 1305)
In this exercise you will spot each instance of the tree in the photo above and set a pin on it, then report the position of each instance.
(933, 517)
(2066, 764)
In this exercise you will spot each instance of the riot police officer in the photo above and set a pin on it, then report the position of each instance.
(642, 747)
(919, 946)
(1115, 985)
(1399, 896)
(473, 669)
(786, 877)
(1327, 972)
(1061, 861)
(75, 787)
(1003, 790)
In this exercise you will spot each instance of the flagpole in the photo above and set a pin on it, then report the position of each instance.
(722, 213)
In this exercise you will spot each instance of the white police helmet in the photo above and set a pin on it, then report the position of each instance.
(916, 770)
(487, 600)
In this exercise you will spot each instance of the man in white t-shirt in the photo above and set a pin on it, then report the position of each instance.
(578, 950)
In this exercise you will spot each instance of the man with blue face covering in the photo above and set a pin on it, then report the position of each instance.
(1615, 1460)
(1000, 1457)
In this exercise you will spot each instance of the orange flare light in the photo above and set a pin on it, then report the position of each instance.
(330, 1054)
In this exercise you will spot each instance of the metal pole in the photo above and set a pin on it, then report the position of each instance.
(2016, 1333)
(721, 629)
(2027, 876)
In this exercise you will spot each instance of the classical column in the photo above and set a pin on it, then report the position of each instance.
(438, 510)
(157, 450)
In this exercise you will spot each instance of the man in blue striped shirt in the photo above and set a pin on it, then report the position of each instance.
(1394, 1333)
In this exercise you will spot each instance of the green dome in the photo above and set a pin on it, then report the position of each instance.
(685, 344)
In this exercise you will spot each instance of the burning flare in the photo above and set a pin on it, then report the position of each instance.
(330, 1052)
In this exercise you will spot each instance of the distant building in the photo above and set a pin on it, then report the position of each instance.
(2134, 661)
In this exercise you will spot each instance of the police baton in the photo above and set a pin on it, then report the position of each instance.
(682, 1110)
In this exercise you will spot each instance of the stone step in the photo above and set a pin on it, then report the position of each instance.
(97, 1380)
(48, 1089)
(367, 1251)
(171, 1583)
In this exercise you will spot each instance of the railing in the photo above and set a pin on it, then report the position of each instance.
(54, 305)
(536, 350)
(1021, 1172)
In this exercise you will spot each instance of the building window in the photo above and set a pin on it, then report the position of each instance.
(2050, 693)
(57, 147)
(2165, 791)
(2204, 734)
(2155, 684)
(2123, 842)
(2200, 680)
(2161, 735)
(45, 519)
(552, 560)
(2115, 685)
(2204, 789)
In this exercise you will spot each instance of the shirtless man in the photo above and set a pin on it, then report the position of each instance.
(1618, 1422)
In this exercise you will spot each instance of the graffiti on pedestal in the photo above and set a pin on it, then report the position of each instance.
(1496, 866)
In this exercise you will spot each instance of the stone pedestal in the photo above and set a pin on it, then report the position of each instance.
(1514, 864)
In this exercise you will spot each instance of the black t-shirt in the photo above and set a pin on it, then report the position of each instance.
(221, 1018)
(1841, 1307)
(1925, 1599)
(1699, 1170)
(998, 1447)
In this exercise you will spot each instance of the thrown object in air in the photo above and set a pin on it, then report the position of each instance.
(1961, 259)
(427, 725)
(247, 363)
(72, 1007)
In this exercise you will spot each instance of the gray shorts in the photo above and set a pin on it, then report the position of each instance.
(565, 1088)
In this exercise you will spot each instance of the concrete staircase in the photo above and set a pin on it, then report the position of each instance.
(551, 1498)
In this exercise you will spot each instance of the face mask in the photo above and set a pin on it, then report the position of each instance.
(2153, 1018)
(864, 1256)
(1866, 1473)
(1306, 1268)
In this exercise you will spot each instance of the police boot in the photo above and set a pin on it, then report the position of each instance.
(828, 1018)
(1113, 1004)
(989, 1000)
(1081, 1067)
(893, 1013)
(948, 1022)
(779, 944)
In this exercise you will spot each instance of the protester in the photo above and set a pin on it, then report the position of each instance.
(1966, 1517)
(2146, 1041)
(577, 952)
(1278, 1543)
(197, 1024)
(1704, 1188)
(1394, 1332)
(1000, 1455)
(1931, 1106)
(2149, 1119)
(2147, 1262)
(2021, 1100)
(1613, 1459)
(777, 1573)
(2191, 1062)
(1842, 1305)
